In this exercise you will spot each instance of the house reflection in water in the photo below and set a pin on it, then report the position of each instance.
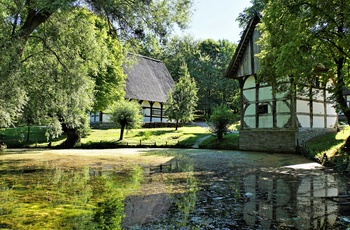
(302, 202)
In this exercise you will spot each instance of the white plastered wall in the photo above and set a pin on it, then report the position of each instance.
(249, 94)
(324, 115)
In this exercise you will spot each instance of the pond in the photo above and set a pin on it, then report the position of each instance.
(169, 189)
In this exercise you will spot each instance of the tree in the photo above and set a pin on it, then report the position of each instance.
(182, 101)
(255, 9)
(68, 64)
(221, 119)
(206, 61)
(126, 115)
(307, 42)
(214, 88)
(180, 50)
(28, 30)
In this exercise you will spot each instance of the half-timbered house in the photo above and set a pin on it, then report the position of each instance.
(148, 82)
(272, 120)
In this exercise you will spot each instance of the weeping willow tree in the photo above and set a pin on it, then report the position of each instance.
(61, 58)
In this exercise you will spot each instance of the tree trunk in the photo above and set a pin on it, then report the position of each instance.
(176, 125)
(101, 117)
(121, 132)
(28, 133)
(220, 135)
(73, 136)
(346, 147)
(339, 89)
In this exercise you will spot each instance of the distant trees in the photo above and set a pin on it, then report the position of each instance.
(126, 115)
(220, 120)
(214, 89)
(207, 61)
(182, 101)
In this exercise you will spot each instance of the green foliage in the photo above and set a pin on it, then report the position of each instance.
(177, 51)
(105, 138)
(139, 19)
(53, 197)
(109, 213)
(307, 42)
(69, 67)
(249, 12)
(108, 75)
(60, 89)
(147, 134)
(126, 115)
(182, 101)
(328, 143)
(221, 119)
(214, 88)
(18, 137)
(206, 61)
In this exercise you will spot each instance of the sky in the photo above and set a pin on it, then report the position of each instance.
(216, 19)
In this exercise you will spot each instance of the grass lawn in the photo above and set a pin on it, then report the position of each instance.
(229, 142)
(329, 143)
(183, 137)
(109, 138)
(18, 137)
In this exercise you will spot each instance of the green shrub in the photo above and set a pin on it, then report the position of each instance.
(221, 119)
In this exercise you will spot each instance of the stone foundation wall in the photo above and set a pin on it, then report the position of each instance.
(281, 141)
(305, 134)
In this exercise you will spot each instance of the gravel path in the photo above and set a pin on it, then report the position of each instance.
(199, 141)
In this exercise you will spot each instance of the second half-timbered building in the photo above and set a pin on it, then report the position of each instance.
(148, 82)
(272, 120)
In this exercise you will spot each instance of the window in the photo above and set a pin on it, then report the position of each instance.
(263, 109)
(156, 112)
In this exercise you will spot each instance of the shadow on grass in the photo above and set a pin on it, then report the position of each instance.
(18, 137)
(229, 142)
(174, 143)
(322, 143)
(154, 132)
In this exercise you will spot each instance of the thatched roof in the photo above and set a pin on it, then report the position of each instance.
(147, 79)
(233, 67)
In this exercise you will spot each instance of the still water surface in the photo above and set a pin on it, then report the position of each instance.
(241, 190)
(196, 189)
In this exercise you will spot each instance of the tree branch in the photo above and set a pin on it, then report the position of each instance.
(51, 51)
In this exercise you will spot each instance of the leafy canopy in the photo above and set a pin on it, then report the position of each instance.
(182, 102)
(126, 115)
(64, 67)
(308, 42)
(29, 29)
(221, 119)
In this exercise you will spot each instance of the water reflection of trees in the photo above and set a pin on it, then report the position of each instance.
(170, 203)
(291, 201)
(66, 198)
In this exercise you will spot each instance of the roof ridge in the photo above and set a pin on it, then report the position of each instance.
(240, 48)
(145, 57)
